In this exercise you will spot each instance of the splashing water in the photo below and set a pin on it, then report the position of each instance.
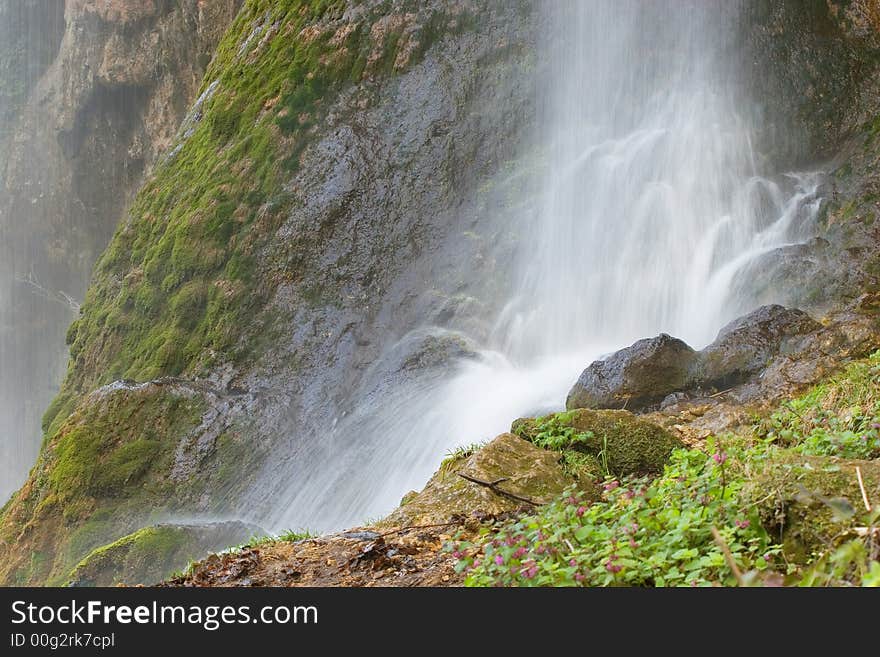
(654, 199)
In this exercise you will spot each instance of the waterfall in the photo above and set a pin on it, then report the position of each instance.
(654, 198)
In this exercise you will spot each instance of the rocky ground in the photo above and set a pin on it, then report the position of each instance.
(404, 556)
(684, 398)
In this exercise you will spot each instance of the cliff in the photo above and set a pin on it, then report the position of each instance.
(90, 93)
(332, 147)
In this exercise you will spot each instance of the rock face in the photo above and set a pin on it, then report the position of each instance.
(528, 471)
(154, 553)
(746, 345)
(335, 157)
(635, 377)
(90, 93)
(653, 369)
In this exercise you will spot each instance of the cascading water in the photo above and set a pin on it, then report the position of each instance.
(654, 202)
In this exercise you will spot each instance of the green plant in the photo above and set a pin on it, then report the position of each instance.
(287, 536)
(555, 433)
(643, 532)
(459, 454)
(840, 417)
(855, 561)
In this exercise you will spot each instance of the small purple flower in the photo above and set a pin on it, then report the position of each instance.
(612, 567)
(633, 543)
(578, 577)
(519, 552)
(572, 562)
(610, 486)
(742, 524)
(719, 457)
(531, 572)
(510, 541)
(457, 554)
(499, 560)
(476, 563)
(541, 549)
(581, 511)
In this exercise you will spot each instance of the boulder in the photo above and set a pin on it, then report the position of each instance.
(663, 371)
(528, 471)
(635, 377)
(746, 345)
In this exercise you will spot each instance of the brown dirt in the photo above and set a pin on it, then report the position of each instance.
(409, 556)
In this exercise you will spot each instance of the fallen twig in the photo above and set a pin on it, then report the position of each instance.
(411, 527)
(493, 486)
(728, 557)
(719, 393)
(862, 488)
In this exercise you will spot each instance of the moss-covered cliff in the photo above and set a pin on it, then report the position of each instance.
(286, 199)
(90, 93)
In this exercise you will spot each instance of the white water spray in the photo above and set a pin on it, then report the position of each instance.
(654, 199)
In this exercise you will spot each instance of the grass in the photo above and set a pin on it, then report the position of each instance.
(287, 536)
(840, 417)
(459, 454)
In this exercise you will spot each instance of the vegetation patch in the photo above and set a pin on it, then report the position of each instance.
(617, 442)
(795, 503)
(840, 417)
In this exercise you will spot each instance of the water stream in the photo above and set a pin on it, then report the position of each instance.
(654, 197)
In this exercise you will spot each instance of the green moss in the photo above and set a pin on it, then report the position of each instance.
(139, 558)
(805, 501)
(618, 441)
(185, 282)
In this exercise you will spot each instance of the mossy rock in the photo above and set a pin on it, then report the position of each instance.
(528, 471)
(621, 442)
(151, 554)
(797, 495)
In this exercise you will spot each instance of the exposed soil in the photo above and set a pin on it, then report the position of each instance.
(408, 556)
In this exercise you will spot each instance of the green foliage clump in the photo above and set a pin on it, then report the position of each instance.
(840, 417)
(287, 536)
(459, 454)
(642, 533)
(618, 441)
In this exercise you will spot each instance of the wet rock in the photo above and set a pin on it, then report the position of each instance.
(635, 377)
(746, 345)
(527, 471)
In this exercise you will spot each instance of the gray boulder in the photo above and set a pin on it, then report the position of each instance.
(635, 377)
(746, 345)
(662, 369)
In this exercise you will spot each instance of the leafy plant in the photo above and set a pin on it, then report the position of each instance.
(838, 418)
(553, 433)
(641, 533)
(459, 454)
(287, 536)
